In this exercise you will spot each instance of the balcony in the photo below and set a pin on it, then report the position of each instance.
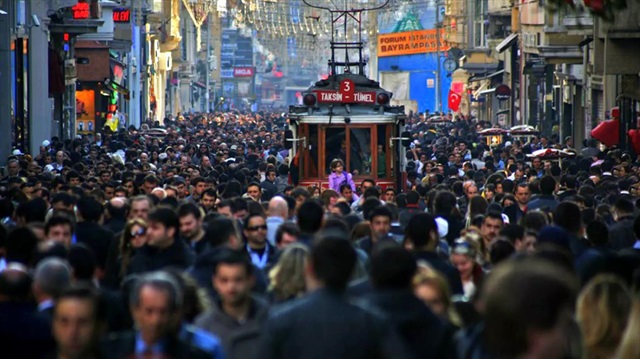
(578, 20)
(626, 24)
(499, 7)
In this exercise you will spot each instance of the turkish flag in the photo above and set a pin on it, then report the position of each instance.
(454, 101)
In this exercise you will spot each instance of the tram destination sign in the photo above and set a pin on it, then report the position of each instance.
(328, 96)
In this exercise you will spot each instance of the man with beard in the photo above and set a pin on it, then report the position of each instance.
(208, 200)
(163, 248)
(191, 229)
(236, 317)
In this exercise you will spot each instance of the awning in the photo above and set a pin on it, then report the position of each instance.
(120, 89)
(479, 78)
(482, 87)
(76, 27)
(506, 42)
(486, 92)
(112, 86)
(480, 68)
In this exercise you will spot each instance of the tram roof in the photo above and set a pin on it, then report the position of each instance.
(354, 120)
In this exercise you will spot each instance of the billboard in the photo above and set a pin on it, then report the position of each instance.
(409, 43)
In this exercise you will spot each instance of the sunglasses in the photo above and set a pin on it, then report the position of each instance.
(255, 228)
(139, 232)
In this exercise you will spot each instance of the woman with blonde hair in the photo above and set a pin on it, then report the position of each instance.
(602, 314)
(433, 289)
(630, 345)
(287, 276)
(465, 257)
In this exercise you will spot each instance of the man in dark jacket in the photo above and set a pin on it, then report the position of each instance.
(89, 232)
(421, 235)
(116, 214)
(621, 233)
(237, 316)
(155, 301)
(191, 228)
(546, 201)
(163, 249)
(412, 208)
(425, 334)
(380, 221)
(269, 187)
(23, 334)
(567, 217)
(303, 328)
(516, 211)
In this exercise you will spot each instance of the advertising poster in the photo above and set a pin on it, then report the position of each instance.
(85, 111)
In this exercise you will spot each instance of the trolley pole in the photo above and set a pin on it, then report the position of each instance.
(207, 105)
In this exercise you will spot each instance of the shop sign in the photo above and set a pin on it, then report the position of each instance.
(121, 15)
(226, 73)
(242, 71)
(502, 92)
(80, 11)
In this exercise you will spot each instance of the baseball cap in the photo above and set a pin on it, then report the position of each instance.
(46, 143)
(162, 156)
(17, 152)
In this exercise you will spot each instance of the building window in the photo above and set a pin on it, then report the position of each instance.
(183, 44)
(480, 30)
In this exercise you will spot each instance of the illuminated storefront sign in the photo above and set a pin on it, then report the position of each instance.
(81, 11)
(121, 15)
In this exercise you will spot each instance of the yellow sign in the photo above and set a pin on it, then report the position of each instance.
(410, 42)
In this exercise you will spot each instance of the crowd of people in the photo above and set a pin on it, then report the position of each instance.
(196, 241)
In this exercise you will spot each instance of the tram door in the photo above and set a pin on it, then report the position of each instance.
(308, 150)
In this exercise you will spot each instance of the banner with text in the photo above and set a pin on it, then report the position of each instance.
(410, 42)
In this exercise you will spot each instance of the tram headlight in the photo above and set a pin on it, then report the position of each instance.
(309, 100)
(382, 98)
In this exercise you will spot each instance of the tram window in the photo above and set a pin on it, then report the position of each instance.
(381, 151)
(335, 146)
(360, 151)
